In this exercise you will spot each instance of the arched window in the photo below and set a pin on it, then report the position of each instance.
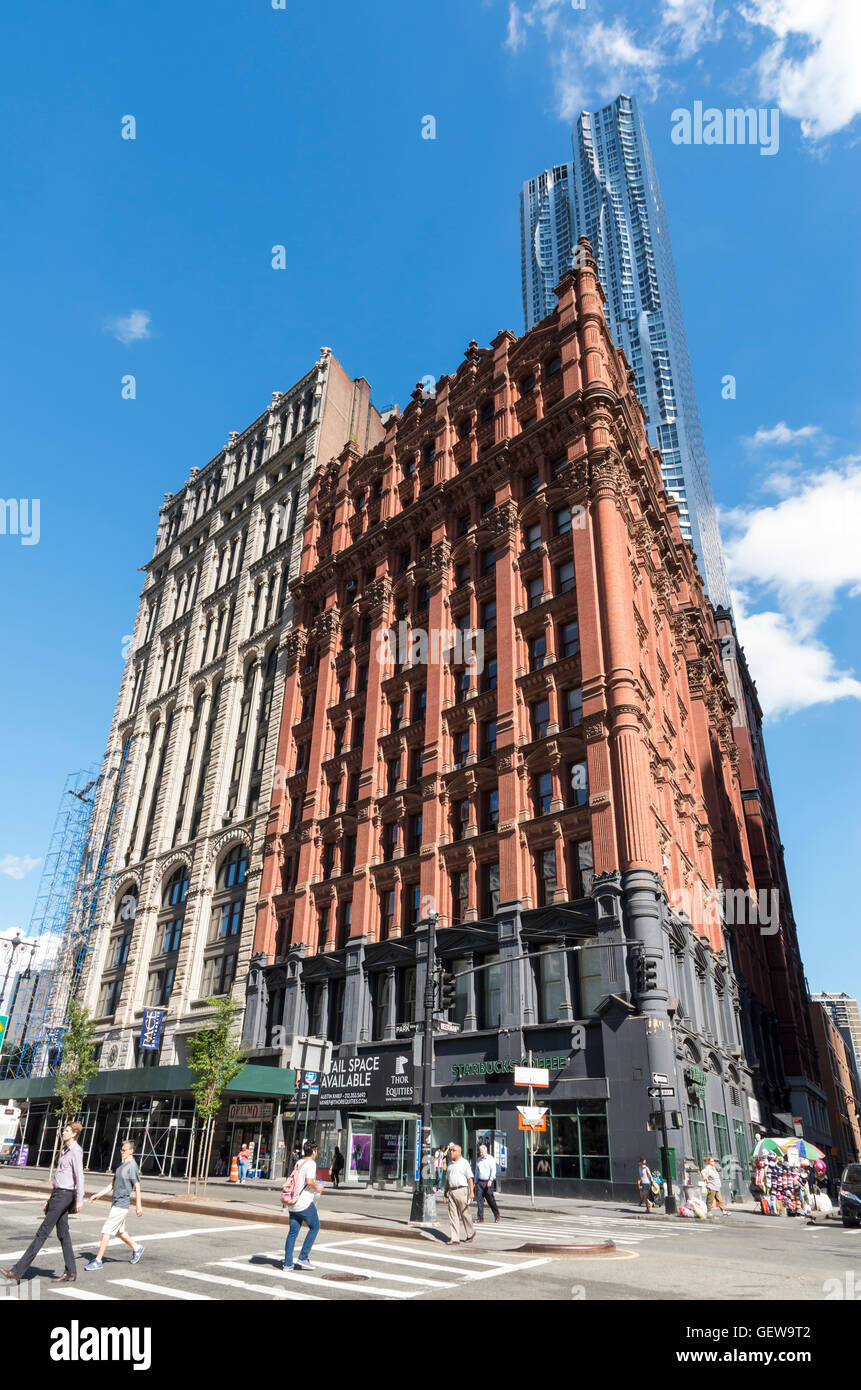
(225, 926)
(168, 937)
(241, 738)
(258, 753)
(119, 942)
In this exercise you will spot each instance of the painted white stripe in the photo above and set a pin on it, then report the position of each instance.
(446, 1254)
(395, 1278)
(243, 1284)
(162, 1289)
(366, 1254)
(308, 1279)
(505, 1269)
(82, 1248)
(69, 1291)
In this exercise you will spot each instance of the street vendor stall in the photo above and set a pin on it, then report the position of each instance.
(788, 1176)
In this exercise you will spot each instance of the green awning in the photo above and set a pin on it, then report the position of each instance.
(251, 1081)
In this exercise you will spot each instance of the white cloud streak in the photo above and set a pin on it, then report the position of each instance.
(131, 327)
(15, 867)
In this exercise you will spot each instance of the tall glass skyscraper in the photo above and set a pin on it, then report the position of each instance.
(610, 193)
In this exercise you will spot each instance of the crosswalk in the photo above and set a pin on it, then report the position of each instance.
(563, 1230)
(353, 1268)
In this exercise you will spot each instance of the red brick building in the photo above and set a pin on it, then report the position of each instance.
(568, 803)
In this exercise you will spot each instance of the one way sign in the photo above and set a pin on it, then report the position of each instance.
(661, 1091)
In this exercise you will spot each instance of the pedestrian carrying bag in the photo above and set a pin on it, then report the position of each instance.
(290, 1192)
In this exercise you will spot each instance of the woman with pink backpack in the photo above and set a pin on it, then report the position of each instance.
(298, 1196)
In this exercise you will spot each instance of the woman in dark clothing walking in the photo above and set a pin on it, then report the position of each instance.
(337, 1166)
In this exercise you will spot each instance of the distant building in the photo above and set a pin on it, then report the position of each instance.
(196, 730)
(609, 192)
(843, 1009)
(839, 1077)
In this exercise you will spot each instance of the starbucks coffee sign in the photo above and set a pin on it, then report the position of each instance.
(504, 1066)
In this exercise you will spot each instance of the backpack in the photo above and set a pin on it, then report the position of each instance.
(291, 1191)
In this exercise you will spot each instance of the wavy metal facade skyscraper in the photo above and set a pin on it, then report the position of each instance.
(610, 193)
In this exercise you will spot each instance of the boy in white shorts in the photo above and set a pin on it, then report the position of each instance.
(127, 1180)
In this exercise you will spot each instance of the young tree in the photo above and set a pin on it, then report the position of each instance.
(77, 1064)
(215, 1055)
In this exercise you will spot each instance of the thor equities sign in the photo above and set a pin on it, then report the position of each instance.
(373, 1080)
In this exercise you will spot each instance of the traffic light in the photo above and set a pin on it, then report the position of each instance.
(647, 974)
(447, 990)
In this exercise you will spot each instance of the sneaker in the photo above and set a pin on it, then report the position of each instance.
(94, 1264)
(497, 1218)
(137, 1254)
(304, 1264)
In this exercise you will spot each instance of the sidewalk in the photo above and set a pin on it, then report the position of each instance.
(353, 1208)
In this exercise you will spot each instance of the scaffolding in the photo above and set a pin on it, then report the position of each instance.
(75, 886)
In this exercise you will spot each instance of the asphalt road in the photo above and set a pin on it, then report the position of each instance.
(196, 1258)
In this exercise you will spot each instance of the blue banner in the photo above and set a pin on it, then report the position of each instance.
(151, 1025)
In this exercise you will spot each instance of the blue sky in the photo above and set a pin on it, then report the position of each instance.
(258, 126)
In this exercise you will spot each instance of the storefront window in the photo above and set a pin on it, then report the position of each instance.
(380, 997)
(699, 1132)
(492, 987)
(461, 983)
(590, 977)
(721, 1133)
(575, 1146)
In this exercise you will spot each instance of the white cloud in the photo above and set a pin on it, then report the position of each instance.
(132, 327)
(692, 22)
(15, 867)
(802, 554)
(781, 434)
(806, 53)
(792, 672)
(605, 60)
(822, 87)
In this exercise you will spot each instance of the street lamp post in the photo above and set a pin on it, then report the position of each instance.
(423, 1206)
(13, 946)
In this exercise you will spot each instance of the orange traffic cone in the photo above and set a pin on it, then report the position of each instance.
(234, 1170)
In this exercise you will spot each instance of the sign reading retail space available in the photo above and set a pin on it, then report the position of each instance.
(531, 1076)
(368, 1081)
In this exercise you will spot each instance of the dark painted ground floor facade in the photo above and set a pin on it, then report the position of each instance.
(559, 984)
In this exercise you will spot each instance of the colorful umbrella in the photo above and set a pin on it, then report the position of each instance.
(781, 1146)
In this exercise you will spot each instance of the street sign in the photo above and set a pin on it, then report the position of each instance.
(405, 1030)
(532, 1076)
(442, 1025)
(659, 1079)
(310, 1082)
(662, 1091)
(539, 1127)
(532, 1117)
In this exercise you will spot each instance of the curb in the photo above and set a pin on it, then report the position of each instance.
(604, 1247)
(185, 1204)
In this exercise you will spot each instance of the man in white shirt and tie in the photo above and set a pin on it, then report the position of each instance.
(459, 1191)
(485, 1182)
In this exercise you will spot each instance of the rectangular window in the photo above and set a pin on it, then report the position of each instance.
(488, 616)
(491, 809)
(489, 678)
(461, 747)
(535, 592)
(380, 990)
(489, 738)
(550, 965)
(488, 562)
(537, 652)
(578, 784)
(569, 640)
(542, 793)
(573, 708)
(699, 1132)
(459, 897)
(387, 914)
(532, 536)
(540, 717)
(545, 876)
(565, 578)
(491, 992)
(562, 521)
(491, 889)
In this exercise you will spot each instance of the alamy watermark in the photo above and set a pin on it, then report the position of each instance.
(735, 906)
(414, 646)
(21, 518)
(736, 126)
